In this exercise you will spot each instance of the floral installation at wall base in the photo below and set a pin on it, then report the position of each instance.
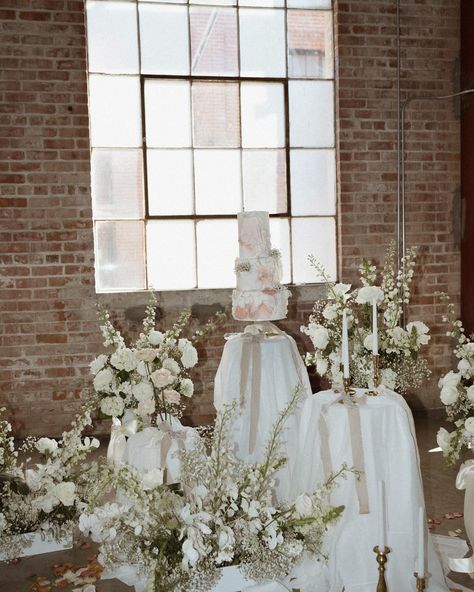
(400, 363)
(41, 497)
(457, 391)
(177, 538)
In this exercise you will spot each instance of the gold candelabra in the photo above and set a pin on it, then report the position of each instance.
(382, 560)
(347, 387)
(420, 582)
(376, 376)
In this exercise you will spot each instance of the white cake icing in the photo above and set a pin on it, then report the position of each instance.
(259, 295)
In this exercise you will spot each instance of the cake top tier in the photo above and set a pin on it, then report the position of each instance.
(254, 234)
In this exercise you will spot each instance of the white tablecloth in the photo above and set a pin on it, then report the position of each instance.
(391, 455)
(282, 368)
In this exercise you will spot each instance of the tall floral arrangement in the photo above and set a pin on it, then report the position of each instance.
(457, 390)
(222, 514)
(401, 365)
(151, 376)
(42, 496)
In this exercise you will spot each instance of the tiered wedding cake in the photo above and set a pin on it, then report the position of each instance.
(259, 295)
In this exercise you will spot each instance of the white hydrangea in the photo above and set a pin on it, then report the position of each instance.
(155, 337)
(172, 366)
(319, 335)
(142, 391)
(103, 380)
(112, 406)
(469, 425)
(124, 359)
(186, 387)
(46, 446)
(98, 363)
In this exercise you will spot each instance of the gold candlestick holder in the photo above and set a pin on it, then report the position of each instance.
(376, 376)
(420, 582)
(382, 560)
(347, 387)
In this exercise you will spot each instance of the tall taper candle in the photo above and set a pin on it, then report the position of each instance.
(382, 538)
(420, 567)
(375, 330)
(345, 346)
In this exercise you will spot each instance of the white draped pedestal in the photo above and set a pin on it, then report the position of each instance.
(259, 372)
(389, 454)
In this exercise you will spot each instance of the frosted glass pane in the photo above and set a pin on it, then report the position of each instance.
(262, 42)
(164, 39)
(170, 182)
(263, 118)
(313, 236)
(214, 41)
(217, 181)
(310, 44)
(313, 182)
(117, 184)
(119, 256)
(114, 110)
(165, 1)
(308, 3)
(171, 254)
(271, 3)
(217, 245)
(311, 114)
(264, 174)
(280, 236)
(112, 37)
(168, 113)
(216, 114)
(216, 2)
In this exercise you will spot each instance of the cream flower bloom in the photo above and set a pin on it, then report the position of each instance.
(65, 492)
(162, 377)
(469, 425)
(319, 335)
(368, 294)
(46, 445)
(142, 391)
(103, 380)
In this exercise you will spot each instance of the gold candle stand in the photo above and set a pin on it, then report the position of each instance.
(382, 560)
(420, 583)
(376, 376)
(347, 387)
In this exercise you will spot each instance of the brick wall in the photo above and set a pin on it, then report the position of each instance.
(49, 328)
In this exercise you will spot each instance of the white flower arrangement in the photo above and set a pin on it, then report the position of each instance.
(222, 513)
(45, 496)
(457, 391)
(150, 377)
(400, 363)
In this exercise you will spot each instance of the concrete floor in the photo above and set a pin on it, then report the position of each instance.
(440, 494)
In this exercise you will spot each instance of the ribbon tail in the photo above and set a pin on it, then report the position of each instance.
(255, 397)
(116, 448)
(244, 369)
(358, 459)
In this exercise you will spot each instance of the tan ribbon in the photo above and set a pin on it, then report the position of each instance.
(465, 480)
(355, 429)
(251, 351)
(168, 436)
(118, 437)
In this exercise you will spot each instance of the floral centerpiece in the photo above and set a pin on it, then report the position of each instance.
(457, 391)
(400, 363)
(43, 496)
(221, 514)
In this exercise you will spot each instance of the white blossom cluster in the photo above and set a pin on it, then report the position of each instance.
(399, 361)
(151, 376)
(223, 514)
(457, 391)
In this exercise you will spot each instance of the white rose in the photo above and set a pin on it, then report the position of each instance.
(162, 377)
(189, 356)
(112, 406)
(124, 359)
(449, 387)
(186, 387)
(304, 505)
(388, 378)
(443, 438)
(142, 391)
(66, 493)
(470, 393)
(46, 445)
(171, 396)
(465, 367)
(146, 355)
(421, 331)
(330, 312)
(172, 366)
(469, 425)
(319, 336)
(368, 294)
(103, 380)
(155, 337)
(341, 289)
(141, 368)
(146, 407)
(321, 366)
(152, 478)
(98, 363)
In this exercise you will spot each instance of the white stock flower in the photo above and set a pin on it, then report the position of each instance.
(98, 363)
(319, 335)
(330, 312)
(171, 396)
(368, 294)
(46, 445)
(469, 425)
(155, 337)
(124, 359)
(152, 478)
(172, 366)
(421, 331)
(112, 406)
(470, 393)
(146, 407)
(189, 355)
(304, 505)
(321, 365)
(103, 380)
(449, 387)
(142, 391)
(388, 378)
(162, 377)
(65, 492)
(186, 387)
(443, 439)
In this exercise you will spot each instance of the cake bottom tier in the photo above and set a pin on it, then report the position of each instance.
(260, 305)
